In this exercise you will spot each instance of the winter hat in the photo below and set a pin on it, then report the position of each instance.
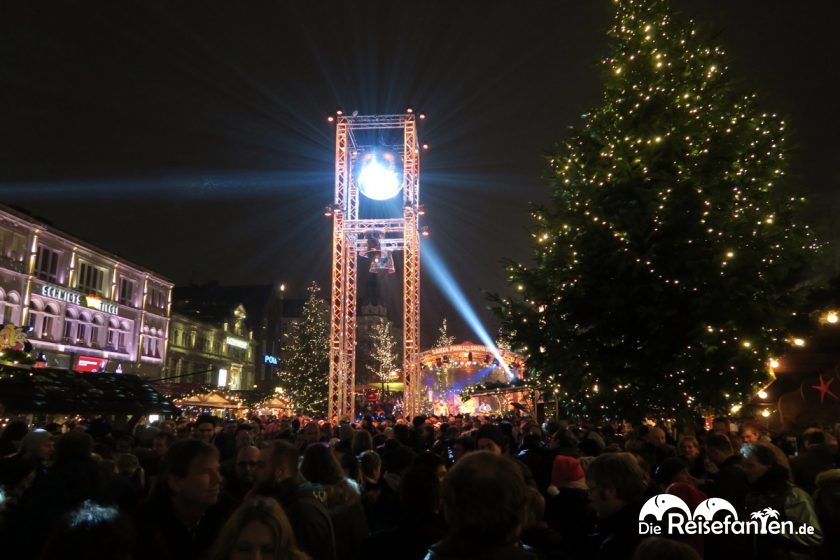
(564, 470)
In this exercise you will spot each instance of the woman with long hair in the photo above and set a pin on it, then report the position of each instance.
(259, 528)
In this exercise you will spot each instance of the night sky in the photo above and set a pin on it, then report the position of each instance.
(191, 137)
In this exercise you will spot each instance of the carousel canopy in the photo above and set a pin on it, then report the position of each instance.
(60, 391)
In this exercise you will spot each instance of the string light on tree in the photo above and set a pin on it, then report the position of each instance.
(668, 256)
(304, 377)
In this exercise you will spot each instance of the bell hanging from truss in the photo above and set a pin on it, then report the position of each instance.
(384, 263)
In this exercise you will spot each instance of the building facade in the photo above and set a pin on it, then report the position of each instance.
(218, 355)
(87, 309)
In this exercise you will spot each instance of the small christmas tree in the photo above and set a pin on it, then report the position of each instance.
(384, 352)
(305, 373)
(670, 264)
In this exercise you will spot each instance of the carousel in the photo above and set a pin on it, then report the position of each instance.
(448, 373)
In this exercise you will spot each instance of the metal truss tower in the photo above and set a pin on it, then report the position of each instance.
(351, 236)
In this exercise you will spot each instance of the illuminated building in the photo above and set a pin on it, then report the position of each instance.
(87, 309)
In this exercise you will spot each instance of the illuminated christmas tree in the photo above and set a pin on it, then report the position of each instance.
(670, 263)
(444, 338)
(384, 353)
(306, 370)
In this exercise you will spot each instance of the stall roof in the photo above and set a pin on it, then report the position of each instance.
(62, 391)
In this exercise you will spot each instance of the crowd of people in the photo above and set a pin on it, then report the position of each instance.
(433, 488)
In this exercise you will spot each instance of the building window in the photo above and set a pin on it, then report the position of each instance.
(47, 266)
(126, 292)
(91, 279)
(49, 322)
(96, 331)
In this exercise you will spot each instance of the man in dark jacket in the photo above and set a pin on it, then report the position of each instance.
(484, 498)
(183, 515)
(278, 477)
(617, 484)
(817, 457)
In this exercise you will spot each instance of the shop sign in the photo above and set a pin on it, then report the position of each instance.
(270, 360)
(93, 302)
(90, 364)
(236, 342)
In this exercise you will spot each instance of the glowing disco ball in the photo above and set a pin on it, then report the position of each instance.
(379, 178)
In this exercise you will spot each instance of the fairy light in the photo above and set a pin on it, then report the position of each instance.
(659, 67)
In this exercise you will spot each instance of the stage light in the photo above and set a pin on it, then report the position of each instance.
(443, 278)
(422, 116)
(424, 231)
(765, 413)
(425, 146)
(328, 211)
(379, 178)
(330, 119)
(762, 394)
(409, 110)
(421, 210)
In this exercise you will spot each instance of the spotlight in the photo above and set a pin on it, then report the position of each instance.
(379, 178)
(422, 117)
(425, 146)
(421, 210)
(832, 317)
(329, 211)
(330, 118)
(762, 394)
(424, 231)
(339, 112)
(409, 110)
(765, 412)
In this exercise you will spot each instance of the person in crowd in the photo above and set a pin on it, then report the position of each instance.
(73, 478)
(11, 437)
(92, 532)
(688, 449)
(343, 501)
(370, 471)
(384, 513)
(489, 437)
(241, 480)
(727, 479)
(617, 484)
(720, 425)
(770, 487)
(484, 498)
(205, 428)
(278, 476)
(258, 529)
(537, 457)
(750, 434)
(36, 449)
(656, 548)
(537, 536)
(362, 441)
(462, 446)
(432, 461)
(568, 509)
(827, 507)
(182, 517)
(151, 459)
(564, 442)
(816, 456)
(419, 524)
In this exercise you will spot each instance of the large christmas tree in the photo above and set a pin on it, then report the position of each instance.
(670, 263)
(306, 370)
